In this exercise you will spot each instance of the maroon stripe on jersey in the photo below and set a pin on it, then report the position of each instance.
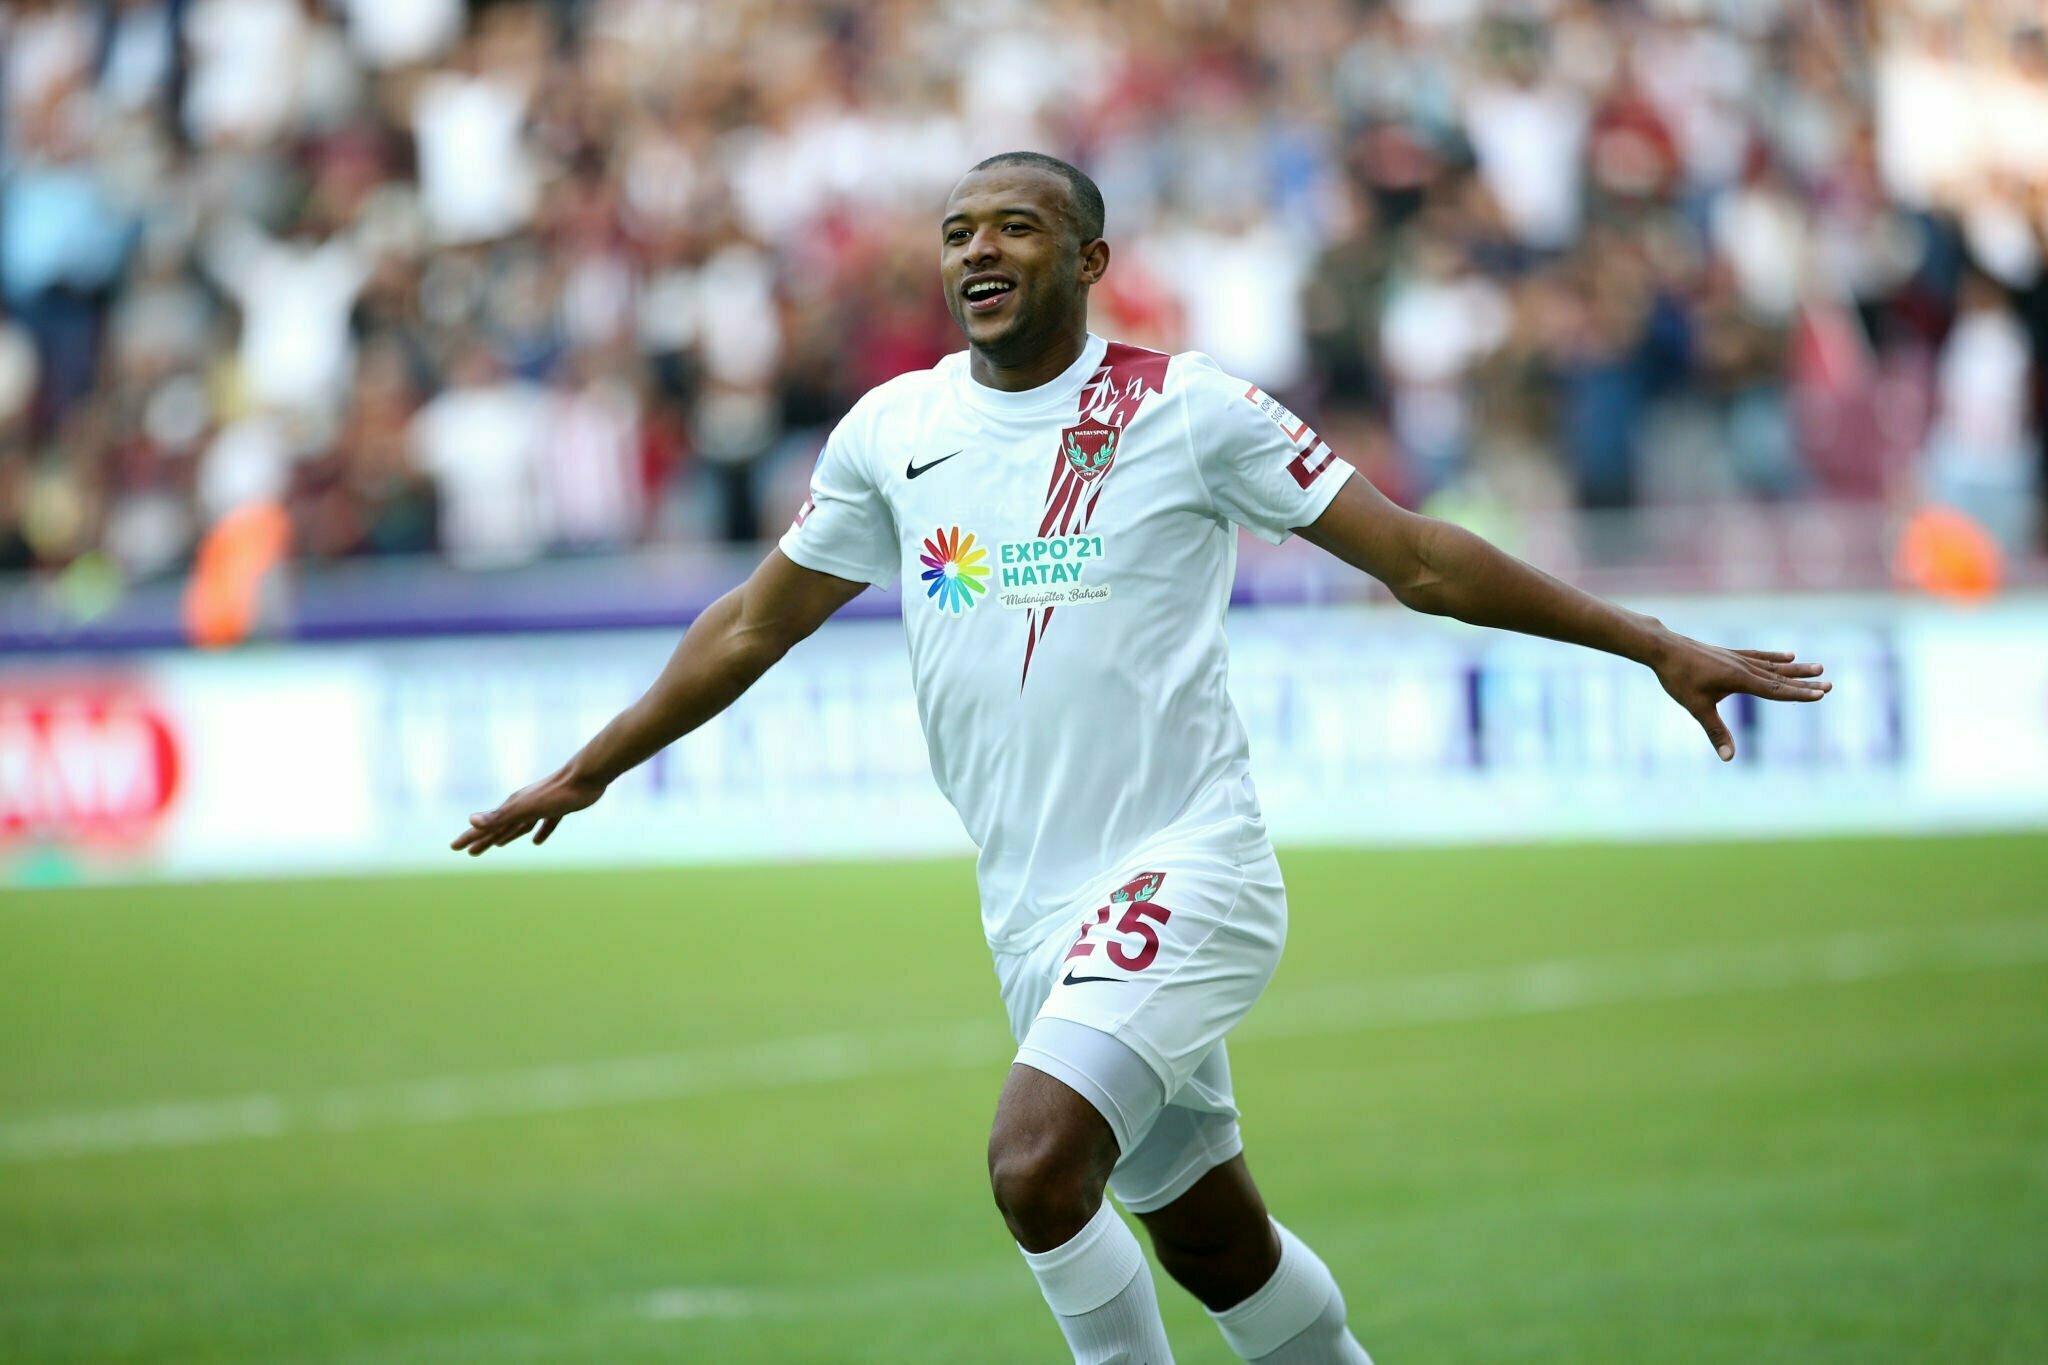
(1127, 376)
(1061, 472)
(1089, 515)
(1062, 503)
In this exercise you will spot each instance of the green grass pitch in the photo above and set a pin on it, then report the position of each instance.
(1778, 1102)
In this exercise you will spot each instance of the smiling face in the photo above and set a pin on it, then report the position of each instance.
(1014, 268)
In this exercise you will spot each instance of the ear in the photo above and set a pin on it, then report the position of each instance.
(1094, 261)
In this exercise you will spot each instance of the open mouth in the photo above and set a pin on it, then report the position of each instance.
(986, 294)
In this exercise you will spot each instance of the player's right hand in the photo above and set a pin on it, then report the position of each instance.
(542, 804)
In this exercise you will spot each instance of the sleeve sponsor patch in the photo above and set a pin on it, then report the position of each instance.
(1311, 454)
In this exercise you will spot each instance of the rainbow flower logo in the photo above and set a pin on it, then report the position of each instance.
(953, 571)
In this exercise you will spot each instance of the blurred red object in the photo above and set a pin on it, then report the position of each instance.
(1947, 554)
(222, 599)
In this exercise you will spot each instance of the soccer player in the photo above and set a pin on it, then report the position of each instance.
(1065, 510)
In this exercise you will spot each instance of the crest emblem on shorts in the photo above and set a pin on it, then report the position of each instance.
(1140, 888)
(1090, 448)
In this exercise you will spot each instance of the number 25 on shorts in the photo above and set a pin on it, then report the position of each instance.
(1135, 896)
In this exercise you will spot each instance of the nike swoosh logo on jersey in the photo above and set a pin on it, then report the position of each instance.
(1072, 980)
(911, 469)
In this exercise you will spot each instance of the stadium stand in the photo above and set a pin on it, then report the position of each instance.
(1665, 283)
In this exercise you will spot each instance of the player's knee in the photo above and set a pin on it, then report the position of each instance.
(1047, 1191)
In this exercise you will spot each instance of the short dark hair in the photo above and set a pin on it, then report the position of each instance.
(1082, 194)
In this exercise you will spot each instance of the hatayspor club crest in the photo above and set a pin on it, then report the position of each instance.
(1090, 449)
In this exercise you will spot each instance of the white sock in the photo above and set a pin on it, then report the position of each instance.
(1295, 1318)
(1100, 1290)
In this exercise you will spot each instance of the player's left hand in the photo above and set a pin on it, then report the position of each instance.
(543, 804)
(1698, 676)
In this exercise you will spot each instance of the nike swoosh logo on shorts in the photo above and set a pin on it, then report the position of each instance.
(911, 469)
(1072, 980)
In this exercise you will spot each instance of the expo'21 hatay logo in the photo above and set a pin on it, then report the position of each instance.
(955, 572)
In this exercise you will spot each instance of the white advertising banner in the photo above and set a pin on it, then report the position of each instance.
(1368, 725)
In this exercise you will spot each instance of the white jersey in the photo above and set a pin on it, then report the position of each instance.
(1067, 555)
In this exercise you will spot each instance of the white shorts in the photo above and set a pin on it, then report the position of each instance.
(1127, 998)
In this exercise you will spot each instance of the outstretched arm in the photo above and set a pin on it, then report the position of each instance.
(1445, 570)
(734, 642)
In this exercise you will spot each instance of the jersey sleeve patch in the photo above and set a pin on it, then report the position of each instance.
(1312, 455)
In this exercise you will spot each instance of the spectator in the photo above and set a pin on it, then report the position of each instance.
(590, 471)
(480, 440)
(1528, 129)
(140, 57)
(1980, 456)
(401, 33)
(476, 176)
(1442, 321)
(296, 297)
(247, 57)
(46, 51)
(1239, 277)
(63, 242)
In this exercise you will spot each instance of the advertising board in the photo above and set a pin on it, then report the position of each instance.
(1367, 726)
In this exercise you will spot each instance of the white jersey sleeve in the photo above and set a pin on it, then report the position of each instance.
(845, 527)
(1265, 469)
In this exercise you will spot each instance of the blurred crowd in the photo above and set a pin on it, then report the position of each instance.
(503, 280)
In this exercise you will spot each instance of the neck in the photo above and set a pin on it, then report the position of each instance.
(1043, 365)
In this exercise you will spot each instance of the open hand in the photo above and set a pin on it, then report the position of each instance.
(1699, 675)
(543, 804)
